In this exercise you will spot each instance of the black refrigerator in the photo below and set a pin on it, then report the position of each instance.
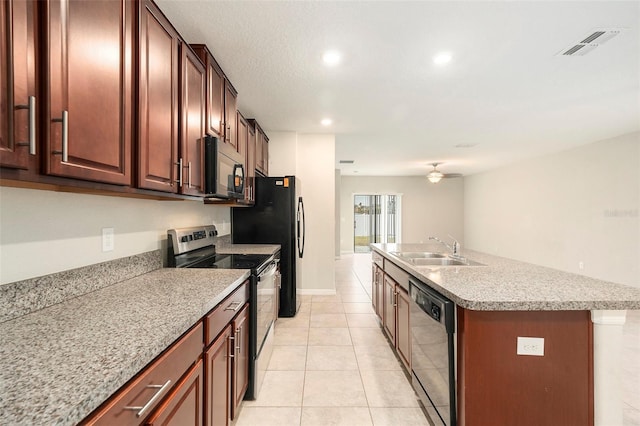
(276, 218)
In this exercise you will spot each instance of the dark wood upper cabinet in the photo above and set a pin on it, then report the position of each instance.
(215, 91)
(18, 143)
(193, 123)
(158, 166)
(230, 108)
(250, 172)
(262, 150)
(88, 105)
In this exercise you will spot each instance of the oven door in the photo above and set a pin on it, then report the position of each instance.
(433, 353)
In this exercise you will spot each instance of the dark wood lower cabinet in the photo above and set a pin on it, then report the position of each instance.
(389, 308)
(403, 326)
(183, 407)
(218, 372)
(240, 359)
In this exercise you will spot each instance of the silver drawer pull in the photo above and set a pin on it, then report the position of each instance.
(65, 136)
(238, 340)
(154, 398)
(31, 106)
(233, 306)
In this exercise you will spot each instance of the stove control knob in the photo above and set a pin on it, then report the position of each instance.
(184, 239)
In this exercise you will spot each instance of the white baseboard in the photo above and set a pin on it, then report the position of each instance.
(317, 291)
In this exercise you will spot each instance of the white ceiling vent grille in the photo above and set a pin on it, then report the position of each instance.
(588, 43)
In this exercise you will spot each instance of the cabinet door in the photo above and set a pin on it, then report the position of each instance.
(241, 359)
(380, 296)
(374, 287)
(243, 145)
(17, 84)
(260, 150)
(193, 124)
(250, 172)
(230, 108)
(389, 311)
(265, 155)
(183, 406)
(89, 106)
(403, 336)
(158, 101)
(218, 373)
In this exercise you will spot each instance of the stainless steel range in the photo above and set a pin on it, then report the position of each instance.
(195, 248)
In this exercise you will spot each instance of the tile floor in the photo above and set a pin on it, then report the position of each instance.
(332, 366)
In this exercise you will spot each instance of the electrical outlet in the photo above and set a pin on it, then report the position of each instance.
(530, 346)
(108, 239)
(581, 265)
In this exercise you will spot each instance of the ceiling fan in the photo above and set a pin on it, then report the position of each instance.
(435, 175)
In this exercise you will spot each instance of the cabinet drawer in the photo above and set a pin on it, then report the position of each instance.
(398, 274)
(222, 314)
(376, 258)
(168, 368)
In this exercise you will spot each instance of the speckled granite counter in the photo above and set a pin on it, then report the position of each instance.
(507, 285)
(58, 364)
(225, 247)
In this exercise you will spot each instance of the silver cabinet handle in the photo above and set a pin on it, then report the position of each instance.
(179, 164)
(189, 174)
(31, 106)
(238, 340)
(154, 398)
(233, 306)
(231, 347)
(65, 136)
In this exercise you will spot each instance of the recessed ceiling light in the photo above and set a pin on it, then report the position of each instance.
(442, 58)
(326, 122)
(331, 58)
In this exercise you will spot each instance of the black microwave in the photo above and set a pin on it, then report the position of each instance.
(223, 175)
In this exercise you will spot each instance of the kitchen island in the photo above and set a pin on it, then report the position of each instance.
(580, 319)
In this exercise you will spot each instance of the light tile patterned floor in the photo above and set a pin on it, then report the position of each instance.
(332, 365)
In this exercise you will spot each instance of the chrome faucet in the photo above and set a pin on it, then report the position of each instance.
(455, 248)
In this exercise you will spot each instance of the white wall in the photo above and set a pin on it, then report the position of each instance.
(559, 210)
(312, 159)
(43, 232)
(426, 209)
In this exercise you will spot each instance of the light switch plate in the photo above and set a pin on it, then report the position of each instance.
(108, 239)
(530, 346)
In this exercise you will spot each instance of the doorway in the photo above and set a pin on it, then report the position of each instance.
(376, 219)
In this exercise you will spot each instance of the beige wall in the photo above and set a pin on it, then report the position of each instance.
(311, 157)
(42, 232)
(559, 210)
(426, 209)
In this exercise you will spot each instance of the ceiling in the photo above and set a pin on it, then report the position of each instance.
(506, 95)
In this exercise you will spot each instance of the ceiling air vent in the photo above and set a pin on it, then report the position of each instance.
(592, 40)
(346, 161)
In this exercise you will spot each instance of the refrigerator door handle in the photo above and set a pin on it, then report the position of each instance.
(301, 219)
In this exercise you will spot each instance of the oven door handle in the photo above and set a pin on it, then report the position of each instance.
(269, 272)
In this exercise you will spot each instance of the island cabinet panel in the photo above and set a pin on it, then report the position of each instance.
(496, 386)
(389, 308)
(88, 55)
(159, 57)
(18, 98)
(403, 328)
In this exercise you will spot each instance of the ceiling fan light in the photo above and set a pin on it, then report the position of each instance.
(434, 176)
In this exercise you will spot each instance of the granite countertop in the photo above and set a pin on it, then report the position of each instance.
(228, 248)
(508, 285)
(60, 363)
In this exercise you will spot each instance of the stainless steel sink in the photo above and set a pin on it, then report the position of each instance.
(417, 255)
(445, 261)
(425, 258)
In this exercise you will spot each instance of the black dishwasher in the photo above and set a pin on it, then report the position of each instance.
(433, 374)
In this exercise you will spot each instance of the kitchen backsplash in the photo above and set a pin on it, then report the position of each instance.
(23, 297)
